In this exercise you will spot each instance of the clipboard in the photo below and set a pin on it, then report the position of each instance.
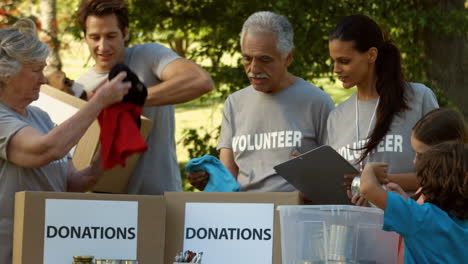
(318, 174)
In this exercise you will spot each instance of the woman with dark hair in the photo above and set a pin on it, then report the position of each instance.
(375, 123)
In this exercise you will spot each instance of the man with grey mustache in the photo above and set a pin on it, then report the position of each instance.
(278, 114)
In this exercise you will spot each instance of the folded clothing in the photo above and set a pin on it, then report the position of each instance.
(220, 179)
(120, 136)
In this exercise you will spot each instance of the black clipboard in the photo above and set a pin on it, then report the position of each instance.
(318, 174)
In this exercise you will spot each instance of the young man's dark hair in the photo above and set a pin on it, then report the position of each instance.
(101, 8)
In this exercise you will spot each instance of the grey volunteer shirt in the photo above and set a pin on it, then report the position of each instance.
(157, 170)
(395, 148)
(13, 178)
(264, 129)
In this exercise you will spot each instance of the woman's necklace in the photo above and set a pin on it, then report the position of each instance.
(368, 129)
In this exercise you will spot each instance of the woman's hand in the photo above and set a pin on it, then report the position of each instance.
(198, 179)
(304, 198)
(355, 199)
(113, 91)
(349, 180)
(295, 154)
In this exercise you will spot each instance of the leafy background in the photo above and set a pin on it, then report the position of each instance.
(431, 34)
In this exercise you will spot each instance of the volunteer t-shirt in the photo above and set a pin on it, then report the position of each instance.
(264, 129)
(395, 148)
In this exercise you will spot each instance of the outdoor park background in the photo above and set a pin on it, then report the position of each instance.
(431, 34)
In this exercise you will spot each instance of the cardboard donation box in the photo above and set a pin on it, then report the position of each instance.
(60, 106)
(51, 228)
(235, 227)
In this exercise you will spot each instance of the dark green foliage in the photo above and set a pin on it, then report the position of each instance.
(212, 29)
(197, 144)
(205, 30)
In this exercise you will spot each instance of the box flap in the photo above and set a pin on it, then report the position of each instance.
(114, 180)
(29, 230)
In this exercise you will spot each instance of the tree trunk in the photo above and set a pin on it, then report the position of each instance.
(50, 30)
(447, 66)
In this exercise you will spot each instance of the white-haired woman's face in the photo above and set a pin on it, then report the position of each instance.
(24, 86)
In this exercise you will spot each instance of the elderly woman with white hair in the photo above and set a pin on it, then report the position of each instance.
(33, 150)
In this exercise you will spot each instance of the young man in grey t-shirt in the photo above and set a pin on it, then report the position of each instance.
(278, 114)
(170, 80)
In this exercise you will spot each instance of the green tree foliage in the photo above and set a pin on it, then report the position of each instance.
(210, 29)
(207, 31)
(215, 27)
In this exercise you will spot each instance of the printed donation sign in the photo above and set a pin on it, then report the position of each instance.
(103, 229)
(230, 233)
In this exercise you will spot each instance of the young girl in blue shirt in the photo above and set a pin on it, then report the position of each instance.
(437, 230)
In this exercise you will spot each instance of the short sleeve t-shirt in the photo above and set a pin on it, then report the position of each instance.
(51, 177)
(157, 170)
(395, 148)
(430, 234)
(264, 129)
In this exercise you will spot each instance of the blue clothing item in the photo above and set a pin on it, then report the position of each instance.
(431, 235)
(220, 180)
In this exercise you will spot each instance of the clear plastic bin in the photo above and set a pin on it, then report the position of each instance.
(323, 234)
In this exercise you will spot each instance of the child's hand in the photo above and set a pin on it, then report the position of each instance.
(381, 173)
(375, 171)
(370, 185)
(377, 166)
(395, 188)
(369, 174)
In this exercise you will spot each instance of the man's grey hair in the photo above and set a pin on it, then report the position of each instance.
(19, 45)
(266, 21)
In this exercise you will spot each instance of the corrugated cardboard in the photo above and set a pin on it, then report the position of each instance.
(114, 180)
(175, 214)
(28, 242)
